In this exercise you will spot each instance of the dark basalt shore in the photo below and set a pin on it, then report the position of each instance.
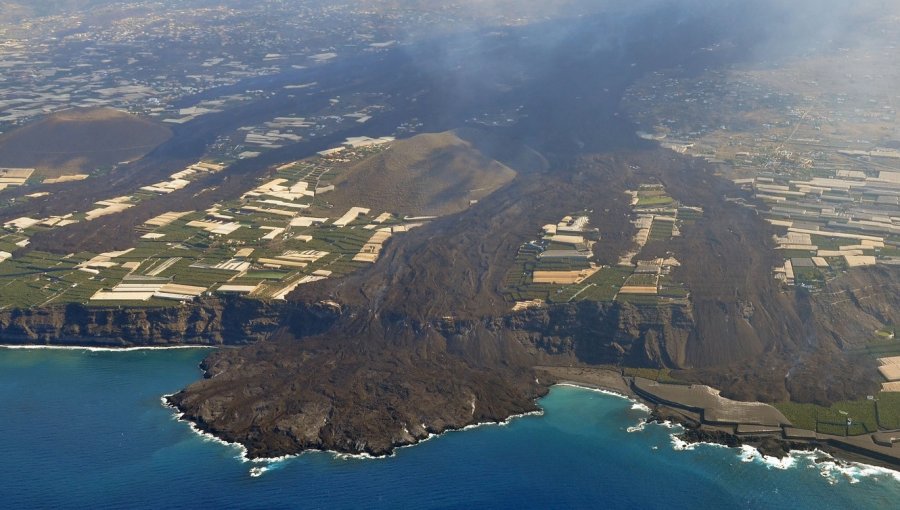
(701, 427)
(770, 445)
(362, 408)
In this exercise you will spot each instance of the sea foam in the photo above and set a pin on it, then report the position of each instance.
(241, 449)
(270, 462)
(751, 454)
(830, 468)
(834, 470)
(104, 349)
(603, 391)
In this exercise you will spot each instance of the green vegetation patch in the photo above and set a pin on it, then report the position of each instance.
(833, 420)
(880, 347)
(809, 276)
(639, 299)
(886, 333)
(654, 201)
(832, 243)
(567, 264)
(346, 241)
(670, 288)
(661, 230)
(887, 406)
(689, 215)
(663, 375)
(602, 286)
(642, 280)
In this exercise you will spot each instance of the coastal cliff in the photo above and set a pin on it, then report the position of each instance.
(209, 321)
(601, 333)
(590, 332)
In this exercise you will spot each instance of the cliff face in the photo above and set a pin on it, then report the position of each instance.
(585, 332)
(210, 321)
(605, 333)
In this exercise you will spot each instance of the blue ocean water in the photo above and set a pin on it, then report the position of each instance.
(83, 429)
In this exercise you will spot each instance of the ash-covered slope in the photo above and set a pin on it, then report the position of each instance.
(433, 174)
(80, 140)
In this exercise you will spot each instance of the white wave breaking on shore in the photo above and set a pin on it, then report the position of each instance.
(267, 462)
(603, 391)
(830, 468)
(206, 436)
(104, 349)
(751, 454)
(637, 428)
(639, 406)
(636, 405)
(264, 464)
(429, 437)
(853, 472)
(538, 412)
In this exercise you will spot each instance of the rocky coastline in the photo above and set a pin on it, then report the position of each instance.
(696, 430)
(548, 344)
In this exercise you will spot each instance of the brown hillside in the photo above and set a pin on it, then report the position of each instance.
(13, 11)
(78, 141)
(429, 174)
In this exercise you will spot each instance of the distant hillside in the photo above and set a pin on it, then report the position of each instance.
(77, 141)
(14, 10)
(429, 174)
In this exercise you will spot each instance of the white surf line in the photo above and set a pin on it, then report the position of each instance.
(600, 390)
(852, 471)
(206, 436)
(537, 412)
(747, 453)
(636, 405)
(257, 471)
(106, 349)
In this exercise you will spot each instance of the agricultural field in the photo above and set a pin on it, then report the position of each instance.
(662, 375)
(279, 235)
(865, 416)
(560, 266)
(810, 160)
